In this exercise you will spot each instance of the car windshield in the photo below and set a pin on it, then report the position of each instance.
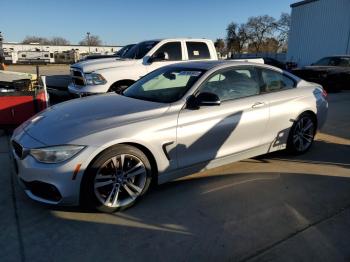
(123, 50)
(334, 61)
(165, 85)
(140, 50)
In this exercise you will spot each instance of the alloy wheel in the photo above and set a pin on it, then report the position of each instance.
(120, 180)
(303, 134)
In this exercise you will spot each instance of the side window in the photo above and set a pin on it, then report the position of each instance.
(197, 50)
(344, 61)
(324, 61)
(275, 81)
(233, 83)
(172, 51)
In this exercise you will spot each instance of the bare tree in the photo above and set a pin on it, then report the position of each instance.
(270, 45)
(57, 40)
(92, 40)
(220, 46)
(236, 38)
(258, 29)
(232, 37)
(36, 39)
(283, 27)
(243, 36)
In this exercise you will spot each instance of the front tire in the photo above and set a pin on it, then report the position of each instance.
(302, 134)
(116, 179)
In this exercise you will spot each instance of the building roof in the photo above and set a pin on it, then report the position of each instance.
(302, 3)
(15, 43)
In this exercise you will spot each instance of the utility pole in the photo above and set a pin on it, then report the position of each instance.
(2, 57)
(88, 37)
(1, 49)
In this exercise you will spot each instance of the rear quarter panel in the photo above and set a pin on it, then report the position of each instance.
(286, 106)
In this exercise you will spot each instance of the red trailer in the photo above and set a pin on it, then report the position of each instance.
(20, 100)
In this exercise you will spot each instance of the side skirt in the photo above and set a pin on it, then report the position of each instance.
(172, 175)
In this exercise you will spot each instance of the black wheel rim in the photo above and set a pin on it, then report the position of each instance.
(303, 135)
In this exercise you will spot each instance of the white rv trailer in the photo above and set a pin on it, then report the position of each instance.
(37, 57)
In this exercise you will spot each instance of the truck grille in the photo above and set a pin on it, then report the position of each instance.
(77, 77)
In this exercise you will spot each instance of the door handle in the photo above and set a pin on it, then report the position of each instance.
(258, 104)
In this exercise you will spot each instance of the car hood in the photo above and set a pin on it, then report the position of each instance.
(89, 66)
(63, 123)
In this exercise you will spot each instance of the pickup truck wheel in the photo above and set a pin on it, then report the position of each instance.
(116, 179)
(119, 87)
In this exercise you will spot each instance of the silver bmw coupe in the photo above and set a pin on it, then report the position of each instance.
(104, 151)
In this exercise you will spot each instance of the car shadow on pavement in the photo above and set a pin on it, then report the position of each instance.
(322, 152)
(228, 213)
(229, 216)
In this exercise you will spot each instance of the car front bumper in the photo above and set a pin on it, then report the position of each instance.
(56, 184)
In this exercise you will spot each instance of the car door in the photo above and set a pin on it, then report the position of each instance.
(234, 126)
(173, 53)
(280, 91)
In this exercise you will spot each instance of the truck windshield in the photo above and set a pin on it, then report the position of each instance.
(334, 61)
(165, 85)
(123, 51)
(140, 50)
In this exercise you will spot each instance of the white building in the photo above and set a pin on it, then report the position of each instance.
(60, 48)
(319, 28)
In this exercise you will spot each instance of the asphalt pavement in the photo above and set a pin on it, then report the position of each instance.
(275, 207)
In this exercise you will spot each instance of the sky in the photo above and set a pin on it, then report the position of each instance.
(120, 22)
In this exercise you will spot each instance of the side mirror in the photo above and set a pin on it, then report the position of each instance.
(158, 57)
(203, 99)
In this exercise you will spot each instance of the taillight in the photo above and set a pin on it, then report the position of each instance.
(324, 93)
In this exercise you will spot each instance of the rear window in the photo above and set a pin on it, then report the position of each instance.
(275, 81)
(197, 50)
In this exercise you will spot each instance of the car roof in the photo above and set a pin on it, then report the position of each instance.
(335, 56)
(207, 65)
(176, 39)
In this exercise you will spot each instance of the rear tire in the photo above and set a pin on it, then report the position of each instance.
(302, 134)
(116, 179)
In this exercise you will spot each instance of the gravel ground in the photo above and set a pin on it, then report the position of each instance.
(48, 70)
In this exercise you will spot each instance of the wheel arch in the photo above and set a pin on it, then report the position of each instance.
(312, 114)
(149, 155)
(143, 148)
(123, 81)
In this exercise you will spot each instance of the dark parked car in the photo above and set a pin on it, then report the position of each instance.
(274, 62)
(120, 53)
(333, 73)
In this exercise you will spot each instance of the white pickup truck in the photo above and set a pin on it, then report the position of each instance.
(116, 74)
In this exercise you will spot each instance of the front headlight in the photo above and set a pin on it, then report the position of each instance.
(55, 154)
(95, 79)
